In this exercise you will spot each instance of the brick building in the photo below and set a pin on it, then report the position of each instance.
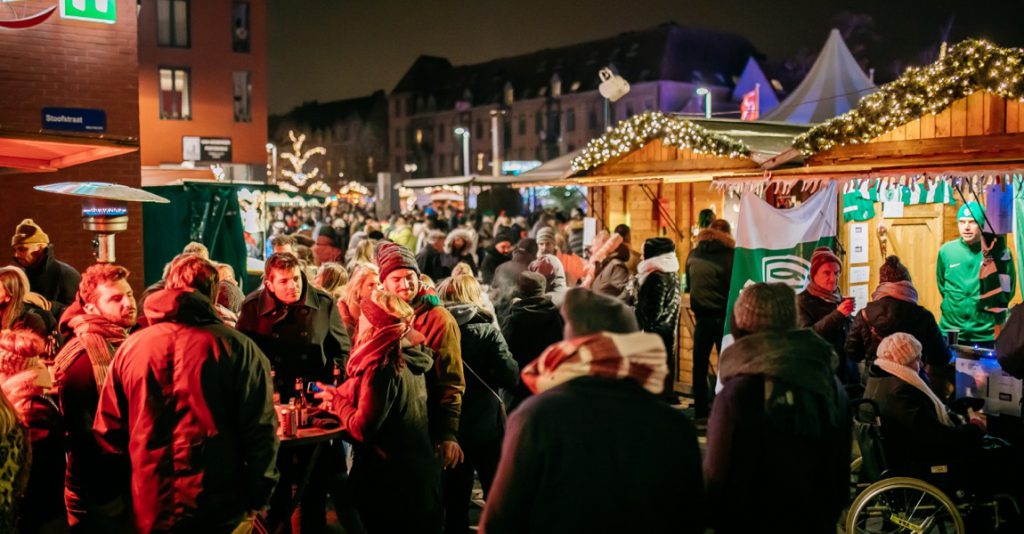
(65, 63)
(550, 97)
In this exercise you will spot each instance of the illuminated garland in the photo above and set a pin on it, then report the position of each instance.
(970, 66)
(638, 130)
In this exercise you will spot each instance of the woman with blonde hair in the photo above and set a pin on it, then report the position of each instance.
(359, 287)
(488, 366)
(332, 278)
(15, 312)
(365, 254)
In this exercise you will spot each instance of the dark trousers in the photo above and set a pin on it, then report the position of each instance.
(341, 489)
(292, 464)
(458, 483)
(706, 334)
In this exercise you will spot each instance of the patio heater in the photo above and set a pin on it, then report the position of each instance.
(104, 210)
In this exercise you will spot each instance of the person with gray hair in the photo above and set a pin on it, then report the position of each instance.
(779, 430)
(431, 259)
(575, 453)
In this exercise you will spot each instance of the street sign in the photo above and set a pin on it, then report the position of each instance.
(74, 119)
(215, 149)
(102, 11)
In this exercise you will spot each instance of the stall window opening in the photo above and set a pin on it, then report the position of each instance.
(175, 94)
(172, 18)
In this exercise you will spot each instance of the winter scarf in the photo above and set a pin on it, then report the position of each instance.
(834, 296)
(380, 344)
(99, 338)
(666, 263)
(912, 377)
(902, 290)
(638, 356)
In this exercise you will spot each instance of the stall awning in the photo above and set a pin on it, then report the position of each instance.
(36, 152)
(414, 183)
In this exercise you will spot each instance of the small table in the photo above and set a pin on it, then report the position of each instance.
(305, 437)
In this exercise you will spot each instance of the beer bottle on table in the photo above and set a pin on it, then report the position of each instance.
(300, 403)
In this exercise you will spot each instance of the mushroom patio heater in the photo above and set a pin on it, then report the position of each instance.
(104, 210)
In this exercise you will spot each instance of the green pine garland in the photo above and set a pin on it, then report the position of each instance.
(638, 130)
(968, 67)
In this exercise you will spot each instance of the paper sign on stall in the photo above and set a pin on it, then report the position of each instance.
(589, 230)
(858, 243)
(860, 296)
(892, 210)
(860, 275)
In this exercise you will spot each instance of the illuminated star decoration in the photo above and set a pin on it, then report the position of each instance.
(970, 66)
(297, 158)
(638, 130)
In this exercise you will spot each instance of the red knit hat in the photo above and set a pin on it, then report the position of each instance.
(820, 257)
(392, 256)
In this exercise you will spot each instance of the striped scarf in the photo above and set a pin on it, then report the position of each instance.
(99, 338)
(638, 356)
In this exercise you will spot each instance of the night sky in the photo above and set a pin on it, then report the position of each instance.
(331, 49)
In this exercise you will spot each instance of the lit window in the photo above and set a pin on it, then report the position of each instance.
(556, 86)
(243, 96)
(172, 23)
(510, 94)
(175, 101)
(419, 136)
(479, 161)
(240, 27)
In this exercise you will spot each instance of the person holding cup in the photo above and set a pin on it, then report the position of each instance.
(824, 309)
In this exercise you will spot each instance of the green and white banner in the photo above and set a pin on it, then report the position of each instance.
(1018, 225)
(774, 245)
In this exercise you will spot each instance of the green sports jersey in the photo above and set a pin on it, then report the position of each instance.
(957, 271)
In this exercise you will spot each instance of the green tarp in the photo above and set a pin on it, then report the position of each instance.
(208, 214)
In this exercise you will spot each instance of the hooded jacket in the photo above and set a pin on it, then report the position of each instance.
(779, 433)
(190, 401)
(709, 271)
(532, 325)
(484, 351)
(55, 280)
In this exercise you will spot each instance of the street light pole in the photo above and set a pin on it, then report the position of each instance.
(464, 132)
(703, 91)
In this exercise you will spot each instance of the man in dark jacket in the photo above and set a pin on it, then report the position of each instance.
(532, 325)
(596, 450)
(708, 272)
(506, 276)
(299, 328)
(430, 260)
(499, 253)
(55, 280)
(190, 401)
(96, 324)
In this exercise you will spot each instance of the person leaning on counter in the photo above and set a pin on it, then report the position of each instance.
(957, 274)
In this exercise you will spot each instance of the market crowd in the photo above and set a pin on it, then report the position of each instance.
(450, 348)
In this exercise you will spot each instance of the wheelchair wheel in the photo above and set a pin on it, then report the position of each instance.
(903, 504)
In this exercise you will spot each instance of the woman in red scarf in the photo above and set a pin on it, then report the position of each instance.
(383, 408)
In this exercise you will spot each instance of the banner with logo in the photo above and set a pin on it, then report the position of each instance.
(1018, 224)
(774, 245)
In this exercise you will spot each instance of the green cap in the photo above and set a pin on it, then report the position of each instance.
(971, 210)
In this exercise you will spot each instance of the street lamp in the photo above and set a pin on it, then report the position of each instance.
(464, 132)
(703, 91)
(272, 166)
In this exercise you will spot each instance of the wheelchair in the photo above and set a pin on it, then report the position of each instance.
(929, 500)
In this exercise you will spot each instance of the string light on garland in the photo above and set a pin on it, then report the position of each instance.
(297, 158)
(970, 66)
(638, 130)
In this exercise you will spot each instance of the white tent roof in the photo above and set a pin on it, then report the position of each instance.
(834, 85)
(751, 77)
(551, 170)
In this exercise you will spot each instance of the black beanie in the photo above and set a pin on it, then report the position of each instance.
(656, 246)
(531, 284)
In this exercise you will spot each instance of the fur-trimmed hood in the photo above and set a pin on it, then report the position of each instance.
(711, 235)
(466, 235)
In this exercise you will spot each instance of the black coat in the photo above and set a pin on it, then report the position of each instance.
(431, 263)
(484, 351)
(657, 308)
(1010, 343)
(913, 434)
(597, 455)
(492, 260)
(532, 325)
(708, 273)
(302, 340)
(889, 315)
(43, 500)
(55, 280)
(825, 319)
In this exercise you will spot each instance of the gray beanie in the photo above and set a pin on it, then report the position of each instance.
(545, 235)
(765, 307)
(589, 312)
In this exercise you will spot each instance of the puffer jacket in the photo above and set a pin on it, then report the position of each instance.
(657, 308)
(889, 315)
(708, 272)
(485, 352)
(189, 400)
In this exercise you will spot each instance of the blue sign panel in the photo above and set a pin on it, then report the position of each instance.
(75, 119)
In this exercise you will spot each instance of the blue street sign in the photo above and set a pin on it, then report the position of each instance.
(74, 119)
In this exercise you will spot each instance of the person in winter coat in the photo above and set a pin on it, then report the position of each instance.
(362, 284)
(506, 277)
(24, 381)
(16, 311)
(595, 450)
(97, 323)
(327, 247)
(612, 275)
(202, 439)
(488, 366)
(458, 248)
(779, 431)
(826, 311)
(55, 280)
(657, 300)
(1010, 344)
(498, 253)
(15, 457)
(402, 234)
(399, 275)
(383, 408)
(894, 308)
(548, 265)
(430, 260)
(708, 274)
(957, 272)
(533, 324)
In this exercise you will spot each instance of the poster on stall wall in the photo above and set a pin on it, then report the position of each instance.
(589, 230)
(774, 245)
(858, 243)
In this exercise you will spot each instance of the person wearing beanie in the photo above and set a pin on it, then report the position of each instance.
(595, 431)
(708, 273)
(894, 308)
(506, 276)
(430, 259)
(958, 269)
(498, 253)
(55, 280)
(822, 308)
(399, 275)
(779, 430)
(532, 324)
(328, 246)
(654, 294)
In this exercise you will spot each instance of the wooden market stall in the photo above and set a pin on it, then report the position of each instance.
(653, 173)
(952, 128)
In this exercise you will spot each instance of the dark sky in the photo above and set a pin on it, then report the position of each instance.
(330, 49)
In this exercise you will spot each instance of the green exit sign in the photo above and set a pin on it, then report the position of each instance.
(103, 11)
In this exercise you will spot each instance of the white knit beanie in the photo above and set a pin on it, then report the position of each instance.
(901, 348)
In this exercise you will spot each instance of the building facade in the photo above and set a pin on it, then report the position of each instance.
(202, 82)
(548, 101)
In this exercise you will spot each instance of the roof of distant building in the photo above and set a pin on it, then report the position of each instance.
(321, 115)
(666, 52)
